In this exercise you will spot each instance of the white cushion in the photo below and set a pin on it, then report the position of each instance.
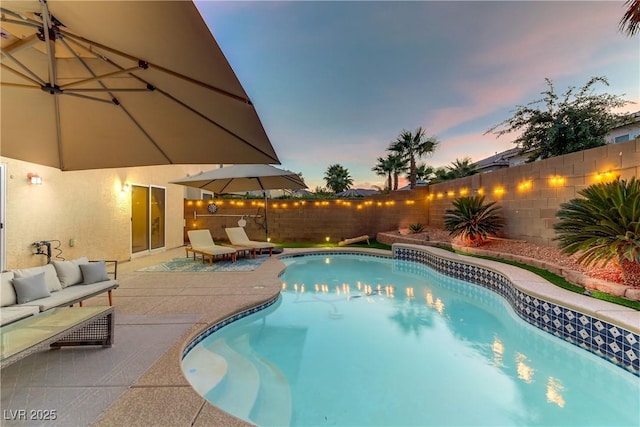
(7, 292)
(11, 314)
(73, 293)
(50, 275)
(69, 272)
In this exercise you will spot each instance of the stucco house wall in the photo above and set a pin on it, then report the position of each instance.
(86, 206)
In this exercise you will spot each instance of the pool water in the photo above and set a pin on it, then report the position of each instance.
(357, 340)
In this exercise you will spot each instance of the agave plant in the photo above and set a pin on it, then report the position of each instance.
(472, 220)
(416, 228)
(604, 226)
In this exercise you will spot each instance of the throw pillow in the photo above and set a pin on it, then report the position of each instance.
(94, 272)
(30, 288)
(69, 272)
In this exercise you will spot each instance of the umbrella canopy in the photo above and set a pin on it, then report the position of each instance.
(239, 178)
(101, 84)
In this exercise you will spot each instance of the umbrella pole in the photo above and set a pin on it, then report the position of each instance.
(266, 222)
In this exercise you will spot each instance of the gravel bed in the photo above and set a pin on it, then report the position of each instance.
(609, 272)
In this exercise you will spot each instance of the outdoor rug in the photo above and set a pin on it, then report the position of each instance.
(184, 264)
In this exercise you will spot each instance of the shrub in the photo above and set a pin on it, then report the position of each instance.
(416, 228)
(604, 226)
(472, 220)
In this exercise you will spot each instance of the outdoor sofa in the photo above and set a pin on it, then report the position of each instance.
(29, 291)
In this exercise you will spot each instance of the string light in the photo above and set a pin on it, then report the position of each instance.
(556, 181)
(525, 185)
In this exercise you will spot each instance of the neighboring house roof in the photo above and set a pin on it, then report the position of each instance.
(419, 183)
(497, 161)
(357, 192)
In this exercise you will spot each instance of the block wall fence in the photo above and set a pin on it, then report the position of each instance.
(529, 195)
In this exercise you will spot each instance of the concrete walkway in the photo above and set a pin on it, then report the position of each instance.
(137, 382)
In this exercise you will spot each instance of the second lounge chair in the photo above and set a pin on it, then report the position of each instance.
(238, 237)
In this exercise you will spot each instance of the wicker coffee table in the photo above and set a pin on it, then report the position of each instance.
(56, 328)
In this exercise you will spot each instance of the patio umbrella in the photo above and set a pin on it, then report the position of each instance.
(102, 84)
(240, 178)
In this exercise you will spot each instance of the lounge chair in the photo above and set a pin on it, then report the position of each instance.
(202, 244)
(239, 238)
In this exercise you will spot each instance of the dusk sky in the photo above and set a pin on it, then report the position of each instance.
(336, 82)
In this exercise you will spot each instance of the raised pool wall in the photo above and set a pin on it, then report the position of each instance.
(529, 194)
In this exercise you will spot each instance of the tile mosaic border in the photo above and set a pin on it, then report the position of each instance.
(609, 341)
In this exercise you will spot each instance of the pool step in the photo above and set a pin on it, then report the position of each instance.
(273, 405)
(204, 369)
(238, 390)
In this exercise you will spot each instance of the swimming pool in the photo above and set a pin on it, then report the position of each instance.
(361, 340)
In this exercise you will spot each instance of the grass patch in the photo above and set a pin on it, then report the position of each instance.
(562, 282)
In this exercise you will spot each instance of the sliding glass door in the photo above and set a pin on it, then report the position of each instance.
(147, 218)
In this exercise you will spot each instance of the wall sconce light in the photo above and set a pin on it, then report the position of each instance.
(498, 191)
(125, 188)
(34, 178)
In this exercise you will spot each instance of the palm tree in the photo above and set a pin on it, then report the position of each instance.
(630, 22)
(391, 167)
(338, 178)
(384, 168)
(472, 220)
(411, 146)
(398, 166)
(604, 226)
(462, 168)
(424, 173)
(441, 174)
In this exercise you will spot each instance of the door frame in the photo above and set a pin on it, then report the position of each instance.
(149, 250)
(3, 216)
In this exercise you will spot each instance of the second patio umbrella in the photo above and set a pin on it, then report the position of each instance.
(239, 178)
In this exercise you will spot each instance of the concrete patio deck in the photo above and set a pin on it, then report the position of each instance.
(137, 382)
